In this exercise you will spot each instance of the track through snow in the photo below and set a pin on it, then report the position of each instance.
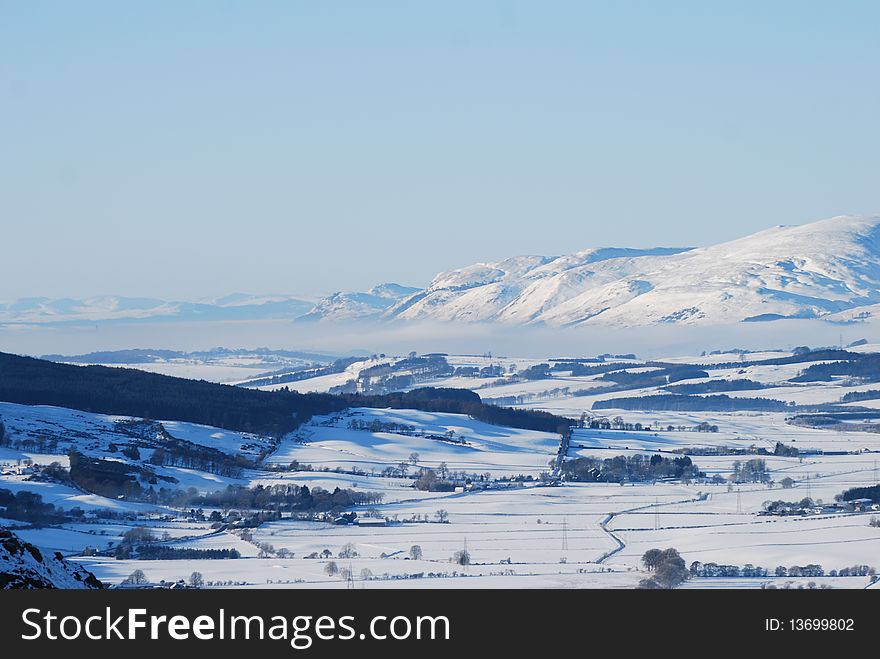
(621, 545)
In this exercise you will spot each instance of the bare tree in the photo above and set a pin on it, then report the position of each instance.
(461, 557)
(196, 580)
(348, 551)
(414, 458)
(442, 516)
(137, 577)
(415, 553)
(331, 569)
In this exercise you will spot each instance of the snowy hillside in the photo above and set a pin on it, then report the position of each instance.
(22, 565)
(828, 269)
(344, 305)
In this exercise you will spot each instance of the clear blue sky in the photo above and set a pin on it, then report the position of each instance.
(182, 149)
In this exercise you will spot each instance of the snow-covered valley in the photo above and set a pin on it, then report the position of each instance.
(446, 482)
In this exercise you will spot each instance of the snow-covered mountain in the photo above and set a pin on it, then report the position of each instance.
(342, 305)
(42, 310)
(346, 306)
(828, 269)
(22, 565)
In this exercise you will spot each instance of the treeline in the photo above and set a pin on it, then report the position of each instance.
(580, 369)
(750, 471)
(26, 506)
(434, 365)
(654, 378)
(698, 569)
(300, 374)
(714, 570)
(681, 403)
(111, 478)
(715, 386)
(166, 553)
(128, 392)
(865, 367)
(180, 453)
(633, 468)
(284, 498)
(802, 355)
(781, 450)
(863, 420)
(872, 493)
(854, 396)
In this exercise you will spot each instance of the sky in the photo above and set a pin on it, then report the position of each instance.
(191, 149)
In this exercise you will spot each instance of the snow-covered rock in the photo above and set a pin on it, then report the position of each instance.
(22, 565)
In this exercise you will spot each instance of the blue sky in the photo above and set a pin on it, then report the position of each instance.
(199, 148)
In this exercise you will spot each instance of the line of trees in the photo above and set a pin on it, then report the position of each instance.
(698, 569)
(284, 498)
(111, 478)
(715, 386)
(26, 506)
(865, 367)
(750, 471)
(165, 553)
(872, 492)
(682, 403)
(629, 468)
(654, 378)
(855, 396)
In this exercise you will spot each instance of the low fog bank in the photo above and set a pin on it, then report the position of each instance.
(345, 338)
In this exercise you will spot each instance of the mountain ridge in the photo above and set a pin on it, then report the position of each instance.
(827, 270)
